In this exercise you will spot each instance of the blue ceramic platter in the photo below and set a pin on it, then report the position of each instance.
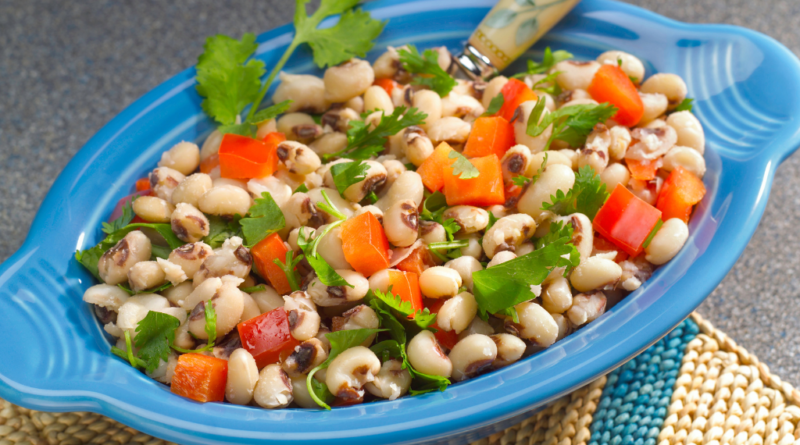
(56, 357)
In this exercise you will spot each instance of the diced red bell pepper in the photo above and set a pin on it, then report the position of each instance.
(432, 169)
(626, 220)
(364, 244)
(448, 339)
(406, 286)
(417, 261)
(241, 157)
(268, 337)
(386, 84)
(643, 170)
(485, 190)
(143, 184)
(611, 84)
(489, 135)
(267, 250)
(200, 377)
(681, 191)
(515, 92)
(209, 163)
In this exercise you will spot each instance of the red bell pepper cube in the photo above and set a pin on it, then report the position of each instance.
(681, 191)
(514, 92)
(268, 337)
(200, 377)
(364, 244)
(626, 220)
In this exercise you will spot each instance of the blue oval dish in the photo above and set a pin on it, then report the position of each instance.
(56, 357)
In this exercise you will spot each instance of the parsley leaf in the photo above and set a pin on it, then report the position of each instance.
(302, 188)
(270, 112)
(495, 105)
(554, 89)
(362, 143)
(520, 181)
(505, 285)
(226, 82)
(462, 167)
(154, 335)
(571, 124)
(422, 318)
(433, 208)
(427, 64)
(346, 174)
(326, 274)
(686, 105)
(558, 230)
(221, 229)
(123, 220)
(586, 196)
(328, 207)
(265, 219)
(550, 59)
(288, 267)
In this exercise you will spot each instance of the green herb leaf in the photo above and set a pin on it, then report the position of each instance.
(387, 349)
(250, 290)
(265, 219)
(558, 230)
(433, 208)
(300, 189)
(427, 64)
(123, 220)
(245, 129)
(152, 290)
(128, 354)
(492, 219)
(422, 318)
(520, 181)
(270, 112)
(288, 267)
(586, 196)
(220, 229)
(451, 227)
(508, 284)
(226, 82)
(346, 174)
(553, 89)
(211, 323)
(458, 244)
(653, 232)
(326, 274)
(685, 105)
(495, 105)
(571, 124)
(362, 143)
(320, 392)
(462, 167)
(154, 335)
(550, 59)
(329, 208)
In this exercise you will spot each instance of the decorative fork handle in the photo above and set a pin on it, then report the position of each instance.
(507, 31)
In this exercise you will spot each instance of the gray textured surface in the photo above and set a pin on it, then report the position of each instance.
(66, 68)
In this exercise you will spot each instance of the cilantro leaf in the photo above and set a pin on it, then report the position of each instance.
(270, 112)
(495, 105)
(462, 167)
(328, 207)
(427, 64)
(265, 219)
(446, 245)
(154, 335)
(288, 267)
(346, 174)
(363, 143)
(302, 188)
(558, 230)
(586, 196)
(433, 208)
(226, 82)
(123, 220)
(211, 324)
(422, 318)
(685, 105)
(520, 181)
(549, 60)
(250, 290)
(326, 274)
(128, 354)
(492, 219)
(152, 290)
(505, 285)
(571, 124)
(221, 229)
(554, 89)
(387, 349)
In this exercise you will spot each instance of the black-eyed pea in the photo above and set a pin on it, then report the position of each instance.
(535, 324)
(305, 357)
(403, 96)
(306, 92)
(461, 106)
(329, 296)
(472, 355)
(569, 104)
(432, 232)
(570, 154)
(620, 140)
(330, 249)
(329, 143)
(655, 105)
(509, 232)
(477, 326)
(670, 85)
(277, 189)
(299, 127)
(498, 210)
(183, 157)
(473, 248)
(191, 189)
(509, 349)
(145, 275)
(164, 181)
(115, 263)
(202, 292)
(165, 370)
(211, 145)
(300, 392)
(178, 294)
(267, 299)
(452, 130)
(274, 389)
(218, 182)
(242, 377)
(387, 64)
(517, 160)
(232, 259)
(376, 212)
(586, 307)
(350, 370)
(686, 157)
(690, 132)
(338, 119)
(492, 89)
(651, 143)
(553, 157)
(520, 121)
(667, 242)
(446, 60)
(457, 312)
(356, 104)
(347, 80)
(394, 169)
(302, 314)
(471, 219)
(525, 248)
(183, 339)
(401, 223)
(106, 296)
(189, 224)
(582, 232)
(251, 309)
(439, 282)
(557, 296)
(595, 273)
(379, 280)
(500, 258)
(225, 200)
(152, 209)
(426, 355)
(376, 98)
(190, 257)
(614, 174)
(595, 152)
(465, 266)
(428, 102)
(359, 317)
(298, 158)
(374, 179)
(408, 185)
(391, 382)
(575, 75)
(570, 95)
(565, 327)
(631, 65)
(299, 211)
(228, 304)
(416, 145)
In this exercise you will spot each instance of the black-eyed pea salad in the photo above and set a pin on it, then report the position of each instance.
(388, 229)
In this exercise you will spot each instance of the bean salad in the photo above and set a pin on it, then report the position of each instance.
(389, 229)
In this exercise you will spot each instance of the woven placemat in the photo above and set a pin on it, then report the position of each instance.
(696, 385)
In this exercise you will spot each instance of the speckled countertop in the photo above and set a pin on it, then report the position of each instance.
(66, 68)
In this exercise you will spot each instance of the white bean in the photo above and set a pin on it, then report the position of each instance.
(457, 312)
(145, 275)
(667, 242)
(274, 389)
(686, 157)
(191, 189)
(152, 209)
(376, 98)
(225, 200)
(509, 349)
(242, 377)
(555, 177)
(115, 263)
(472, 355)
(471, 219)
(465, 266)
(557, 296)
(391, 382)
(586, 308)
(523, 113)
(655, 105)
(426, 355)
(575, 75)
(350, 370)
(615, 174)
(107, 296)
(631, 65)
(535, 324)
(407, 186)
(595, 273)
(670, 85)
(428, 102)
(183, 157)
(350, 79)
(439, 282)
(267, 299)
(492, 89)
(690, 132)
(306, 92)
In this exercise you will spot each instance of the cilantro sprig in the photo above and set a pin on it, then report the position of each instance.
(685, 105)
(427, 65)
(363, 142)
(265, 218)
(221, 228)
(123, 220)
(495, 105)
(462, 167)
(571, 124)
(346, 174)
(586, 196)
(548, 61)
